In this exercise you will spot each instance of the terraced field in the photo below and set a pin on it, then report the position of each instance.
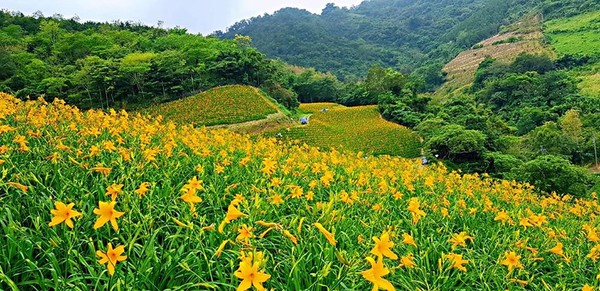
(522, 37)
(222, 105)
(354, 128)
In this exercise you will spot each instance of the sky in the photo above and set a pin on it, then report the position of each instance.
(197, 16)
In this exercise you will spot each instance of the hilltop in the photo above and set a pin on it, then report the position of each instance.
(217, 106)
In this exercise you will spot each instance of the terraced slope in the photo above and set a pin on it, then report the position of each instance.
(522, 37)
(354, 128)
(221, 105)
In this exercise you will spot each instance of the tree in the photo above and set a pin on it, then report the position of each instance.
(137, 65)
(533, 63)
(457, 144)
(548, 139)
(571, 126)
(285, 97)
(555, 174)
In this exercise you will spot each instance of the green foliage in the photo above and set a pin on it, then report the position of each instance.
(511, 39)
(516, 112)
(120, 64)
(552, 94)
(312, 86)
(283, 96)
(551, 173)
(457, 144)
(548, 139)
(399, 34)
(499, 164)
(575, 36)
(532, 63)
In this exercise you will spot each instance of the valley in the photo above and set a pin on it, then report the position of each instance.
(392, 145)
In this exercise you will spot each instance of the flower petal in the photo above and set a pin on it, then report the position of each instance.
(102, 220)
(56, 220)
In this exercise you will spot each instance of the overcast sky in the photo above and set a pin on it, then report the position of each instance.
(198, 16)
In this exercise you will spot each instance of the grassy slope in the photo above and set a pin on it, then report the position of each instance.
(221, 105)
(461, 70)
(47, 158)
(575, 35)
(354, 128)
(579, 35)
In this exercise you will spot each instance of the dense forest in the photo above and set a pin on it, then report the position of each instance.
(123, 64)
(407, 35)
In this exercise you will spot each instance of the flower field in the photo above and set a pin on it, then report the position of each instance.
(354, 128)
(221, 105)
(94, 200)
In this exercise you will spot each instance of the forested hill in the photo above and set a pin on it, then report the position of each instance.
(121, 64)
(401, 34)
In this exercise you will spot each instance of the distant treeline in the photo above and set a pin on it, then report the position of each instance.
(122, 64)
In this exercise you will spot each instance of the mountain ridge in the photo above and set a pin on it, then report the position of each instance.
(405, 35)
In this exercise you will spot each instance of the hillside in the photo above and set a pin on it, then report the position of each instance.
(221, 105)
(521, 105)
(120, 64)
(579, 38)
(524, 36)
(191, 208)
(400, 34)
(353, 128)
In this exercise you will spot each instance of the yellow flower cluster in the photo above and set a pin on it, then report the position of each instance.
(212, 208)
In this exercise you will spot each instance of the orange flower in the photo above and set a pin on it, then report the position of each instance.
(63, 213)
(102, 170)
(190, 197)
(106, 212)
(460, 239)
(408, 239)
(376, 273)
(142, 189)
(511, 261)
(328, 235)
(383, 246)
(414, 208)
(251, 275)
(113, 190)
(111, 257)
(457, 261)
(407, 261)
(245, 233)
